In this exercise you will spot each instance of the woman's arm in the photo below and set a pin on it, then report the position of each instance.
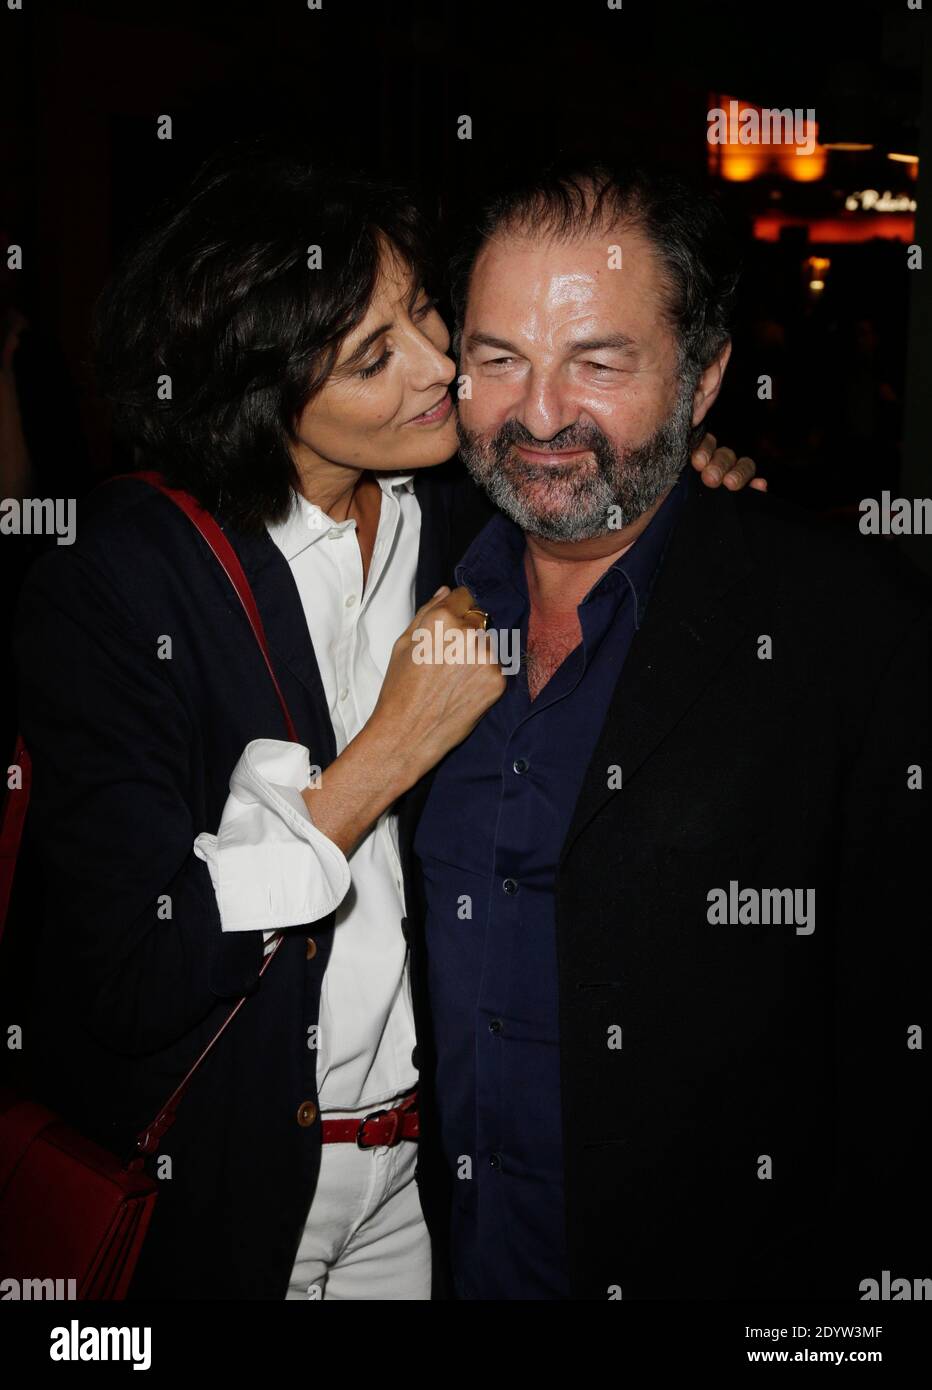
(139, 929)
(136, 925)
(279, 856)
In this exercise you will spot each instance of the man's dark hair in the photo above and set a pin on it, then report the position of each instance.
(686, 228)
(219, 298)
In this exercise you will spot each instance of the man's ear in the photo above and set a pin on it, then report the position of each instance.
(710, 383)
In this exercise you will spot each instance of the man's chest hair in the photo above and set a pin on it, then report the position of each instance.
(548, 646)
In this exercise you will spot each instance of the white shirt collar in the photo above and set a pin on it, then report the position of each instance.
(306, 523)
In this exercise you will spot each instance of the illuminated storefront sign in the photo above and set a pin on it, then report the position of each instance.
(870, 200)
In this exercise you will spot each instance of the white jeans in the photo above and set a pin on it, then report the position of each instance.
(365, 1236)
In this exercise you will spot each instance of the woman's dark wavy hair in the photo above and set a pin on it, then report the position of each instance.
(687, 229)
(219, 298)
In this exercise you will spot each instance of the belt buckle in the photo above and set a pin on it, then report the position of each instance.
(377, 1115)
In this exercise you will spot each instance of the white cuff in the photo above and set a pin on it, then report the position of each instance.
(269, 864)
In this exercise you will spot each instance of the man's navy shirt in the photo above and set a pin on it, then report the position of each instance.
(489, 842)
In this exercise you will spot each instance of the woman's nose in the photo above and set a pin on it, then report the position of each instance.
(431, 366)
(428, 363)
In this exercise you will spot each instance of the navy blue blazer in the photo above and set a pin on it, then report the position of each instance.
(132, 755)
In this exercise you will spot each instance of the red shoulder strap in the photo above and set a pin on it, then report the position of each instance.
(229, 560)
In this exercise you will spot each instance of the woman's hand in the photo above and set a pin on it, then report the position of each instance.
(719, 466)
(428, 706)
(425, 708)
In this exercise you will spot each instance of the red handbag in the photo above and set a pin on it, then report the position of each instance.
(69, 1209)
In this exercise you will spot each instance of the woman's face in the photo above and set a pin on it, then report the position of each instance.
(386, 405)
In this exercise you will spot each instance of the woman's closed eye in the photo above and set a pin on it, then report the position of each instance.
(418, 314)
(375, 367)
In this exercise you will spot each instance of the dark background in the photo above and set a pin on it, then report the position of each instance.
(380, 86)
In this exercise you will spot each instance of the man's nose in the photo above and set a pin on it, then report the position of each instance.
(546, 406)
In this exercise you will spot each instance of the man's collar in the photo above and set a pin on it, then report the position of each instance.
(496, 555)
(306, 523)
(641, 561)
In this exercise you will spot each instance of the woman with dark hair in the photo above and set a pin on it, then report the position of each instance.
(271, 348)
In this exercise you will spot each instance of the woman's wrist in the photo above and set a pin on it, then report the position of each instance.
(358, 786)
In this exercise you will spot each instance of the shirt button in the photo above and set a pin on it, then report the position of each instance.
(414, 1061)
(344, 693)
(307, 1114)
(311, 948)
(496, 1025)
(520, 765)
(510, 886)
(350, 600)
(334, 535)
(495, 1160)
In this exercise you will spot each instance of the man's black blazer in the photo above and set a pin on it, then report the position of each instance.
(758, 1130)
(132, 754)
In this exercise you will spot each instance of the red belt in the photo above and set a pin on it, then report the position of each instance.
(382, 1127)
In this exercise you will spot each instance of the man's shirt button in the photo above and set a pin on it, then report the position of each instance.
(510, 886)
(496, 1025)
(307, 1114)
(495, 1160)
(520, 765)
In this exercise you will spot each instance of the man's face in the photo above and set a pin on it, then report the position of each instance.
(576, 402)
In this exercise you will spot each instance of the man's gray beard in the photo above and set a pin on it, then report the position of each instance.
(624, 486)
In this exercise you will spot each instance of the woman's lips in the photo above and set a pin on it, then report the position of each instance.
(437, 412)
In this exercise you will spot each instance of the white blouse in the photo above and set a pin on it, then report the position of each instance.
(269, 864)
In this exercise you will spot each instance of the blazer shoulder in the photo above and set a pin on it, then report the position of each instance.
(449, 490)
(828, 563)
(130, 541)
(121, 519)
(125, 506)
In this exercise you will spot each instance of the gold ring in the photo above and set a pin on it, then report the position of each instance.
(482, 614)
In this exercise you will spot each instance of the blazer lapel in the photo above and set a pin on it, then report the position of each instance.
(286, 630)
(699, 609)
(276, 592)
(434, 562)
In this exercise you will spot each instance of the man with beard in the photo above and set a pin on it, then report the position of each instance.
(637, 1098)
